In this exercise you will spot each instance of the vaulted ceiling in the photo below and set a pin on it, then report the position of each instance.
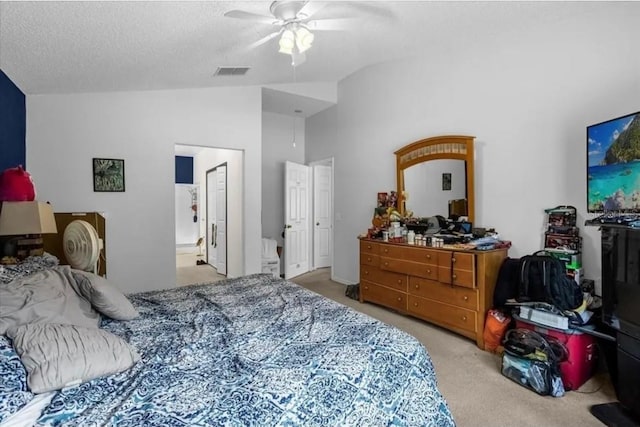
(94, 46)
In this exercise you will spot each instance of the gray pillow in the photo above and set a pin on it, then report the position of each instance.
(57, 356)
(104, 296)
(47, 296)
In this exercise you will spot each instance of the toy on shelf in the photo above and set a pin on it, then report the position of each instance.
(562, 238)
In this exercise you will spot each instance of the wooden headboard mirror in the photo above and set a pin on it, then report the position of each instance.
(435, 177)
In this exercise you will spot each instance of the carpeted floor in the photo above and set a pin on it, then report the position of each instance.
(470, 379)
(189, 272)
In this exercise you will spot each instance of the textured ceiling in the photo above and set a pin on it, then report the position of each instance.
(94, 46)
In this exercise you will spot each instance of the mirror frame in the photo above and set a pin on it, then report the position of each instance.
(456, 147)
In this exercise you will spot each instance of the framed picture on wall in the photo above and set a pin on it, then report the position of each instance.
(108, 175)
(446, 181)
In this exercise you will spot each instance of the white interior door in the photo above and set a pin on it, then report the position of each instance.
(296, 219)
(322, 223)
(221, 219)
(211, 218)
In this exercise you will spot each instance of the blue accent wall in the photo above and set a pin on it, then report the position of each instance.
(184, 170)
(13, 124)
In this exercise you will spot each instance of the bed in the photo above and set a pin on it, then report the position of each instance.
(254, 351)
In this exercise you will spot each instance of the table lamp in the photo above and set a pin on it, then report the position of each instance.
(26, 222)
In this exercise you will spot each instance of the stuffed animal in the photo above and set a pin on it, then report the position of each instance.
(16, 185)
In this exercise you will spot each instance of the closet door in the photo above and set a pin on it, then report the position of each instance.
(296, 228)
(221, 219)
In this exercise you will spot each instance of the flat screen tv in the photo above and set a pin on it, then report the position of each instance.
(613, 165)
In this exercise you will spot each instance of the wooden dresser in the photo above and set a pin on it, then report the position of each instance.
(450, 288)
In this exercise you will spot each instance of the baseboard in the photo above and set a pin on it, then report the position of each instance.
(341, 280)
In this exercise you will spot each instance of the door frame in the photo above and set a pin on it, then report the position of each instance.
(226, 210)
(324, 162)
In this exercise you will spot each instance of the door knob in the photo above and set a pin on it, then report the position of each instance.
(317, 223)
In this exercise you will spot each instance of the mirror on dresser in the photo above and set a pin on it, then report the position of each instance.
(437, 175)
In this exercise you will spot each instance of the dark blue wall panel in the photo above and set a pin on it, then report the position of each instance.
(12, 124)
(184, 170)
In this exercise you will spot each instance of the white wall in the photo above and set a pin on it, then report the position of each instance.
(64, 132)
(204, 161)
(277, 148)
(526, 96)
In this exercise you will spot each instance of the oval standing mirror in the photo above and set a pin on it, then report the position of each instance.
(435, 177)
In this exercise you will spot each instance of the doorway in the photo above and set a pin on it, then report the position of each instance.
(197, 268)
(308, 237)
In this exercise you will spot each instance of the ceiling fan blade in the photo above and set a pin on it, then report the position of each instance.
(241, 14)
(264, 40)
(341, 24)
(310, 8)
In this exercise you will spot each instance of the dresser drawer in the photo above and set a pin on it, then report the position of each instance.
(369, 247)
(443, 313)
(457, 277)
(383, 295)
(426, 256)
(369, 259)
(387, 278)
(409, 267)
(454, 295)
(463, 261)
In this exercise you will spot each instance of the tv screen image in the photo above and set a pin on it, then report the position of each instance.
(613, 165)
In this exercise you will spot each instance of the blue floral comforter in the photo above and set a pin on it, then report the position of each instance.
(257, 351)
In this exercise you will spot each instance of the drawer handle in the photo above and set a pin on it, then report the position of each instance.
(399, 281)
(399, 298)
(454, 276)
(369, 259)
(366, 272)
(417, 286)
(453, 260)
(366, 287)
(466, 298)
(415, 304)
(428, 271)
(386, 250)
(386, 263)
(428, 256)
(368, 246)
(464, 318)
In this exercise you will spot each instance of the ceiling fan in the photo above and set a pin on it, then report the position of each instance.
(294, 19)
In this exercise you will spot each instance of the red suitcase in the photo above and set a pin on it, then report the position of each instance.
(582, 349)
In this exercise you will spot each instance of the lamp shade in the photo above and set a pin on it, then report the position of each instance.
(287, 41)
(304, 39)
(21, 218)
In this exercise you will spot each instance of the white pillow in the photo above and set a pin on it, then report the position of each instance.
(104, 296)
(57, 356)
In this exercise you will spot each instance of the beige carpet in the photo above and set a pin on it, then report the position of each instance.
(188, 272)
(470, 379)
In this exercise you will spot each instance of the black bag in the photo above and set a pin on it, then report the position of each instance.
(533, 360)
(507, 282)
(353, 291)
(543, 278)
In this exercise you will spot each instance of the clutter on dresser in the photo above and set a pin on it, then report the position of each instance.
(455, 232)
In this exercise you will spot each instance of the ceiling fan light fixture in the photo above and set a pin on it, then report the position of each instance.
(287, 42)
(304, 39)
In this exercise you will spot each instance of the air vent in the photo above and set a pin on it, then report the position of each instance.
(231, 71)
